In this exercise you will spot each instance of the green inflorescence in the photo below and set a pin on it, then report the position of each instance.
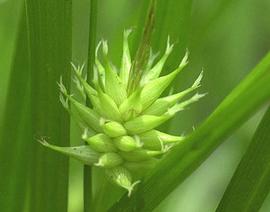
(120, 127)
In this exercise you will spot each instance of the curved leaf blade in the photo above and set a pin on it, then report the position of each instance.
(250, 184)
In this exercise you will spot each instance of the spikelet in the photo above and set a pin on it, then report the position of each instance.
(125, 142)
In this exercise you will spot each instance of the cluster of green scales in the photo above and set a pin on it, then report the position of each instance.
(119, 127)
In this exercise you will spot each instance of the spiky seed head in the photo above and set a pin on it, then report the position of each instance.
(120, 127)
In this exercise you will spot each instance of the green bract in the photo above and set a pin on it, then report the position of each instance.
(119, 127)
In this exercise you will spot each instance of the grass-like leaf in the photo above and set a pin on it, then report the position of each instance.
(250, 183)
(49, 26)
(15, 139)
(236, 108)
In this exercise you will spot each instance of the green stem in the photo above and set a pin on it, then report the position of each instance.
(238, 106)
(142, 53)
(88, 188)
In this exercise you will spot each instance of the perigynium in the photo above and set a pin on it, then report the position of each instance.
(120, 126)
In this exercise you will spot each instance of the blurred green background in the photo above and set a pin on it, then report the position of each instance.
(226, 38)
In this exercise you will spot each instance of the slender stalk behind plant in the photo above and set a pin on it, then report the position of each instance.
(49, 27)
(88, 178)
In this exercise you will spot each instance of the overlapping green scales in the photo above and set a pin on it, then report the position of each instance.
(125, 140)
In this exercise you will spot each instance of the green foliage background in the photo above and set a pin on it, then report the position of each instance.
(227, 38)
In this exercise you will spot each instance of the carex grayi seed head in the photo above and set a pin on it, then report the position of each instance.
(120, 127)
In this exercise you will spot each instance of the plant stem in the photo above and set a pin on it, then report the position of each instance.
(142, 53)
(88, 188)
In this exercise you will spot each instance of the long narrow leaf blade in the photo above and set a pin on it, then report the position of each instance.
(250, 184)
(49, 26)
(16, 145)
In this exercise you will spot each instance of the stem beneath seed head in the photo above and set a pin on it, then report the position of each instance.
(143, 51)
